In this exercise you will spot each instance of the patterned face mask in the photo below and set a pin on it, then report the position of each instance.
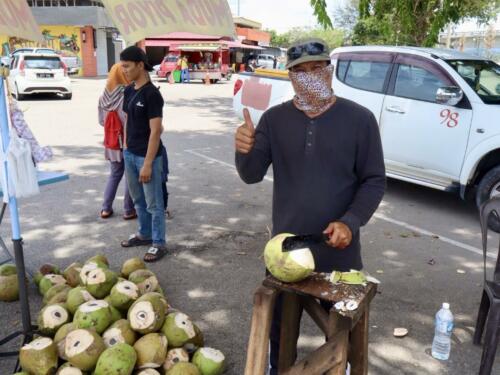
(313, 90)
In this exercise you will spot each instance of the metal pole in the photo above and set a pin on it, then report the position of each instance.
(238, 8)
(14, 218)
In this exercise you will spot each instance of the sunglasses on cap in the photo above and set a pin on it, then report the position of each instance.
(311, 49)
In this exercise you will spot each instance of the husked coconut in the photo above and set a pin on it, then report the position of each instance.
(175, 356)
(292, 266)
(117, 360)
(183, 368)
(76, 297)
(100, 281)
(123, 295)
(93, 315)
(131, 265)
(51, 318)
(147, 314)
(9, 285)
(39, 357)
(48, 281)
(120, 332)
(72, 274)
(151, 351)
(60, 338)
(179, 329)
(209, 361)
(83, 348)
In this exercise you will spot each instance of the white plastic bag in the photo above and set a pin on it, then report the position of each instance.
(23, 180)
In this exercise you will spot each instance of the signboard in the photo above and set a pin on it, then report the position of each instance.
(16, 20)
(140, 19)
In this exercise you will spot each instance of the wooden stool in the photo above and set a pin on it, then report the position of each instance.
(347, 332)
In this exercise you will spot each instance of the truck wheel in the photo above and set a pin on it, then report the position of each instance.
(489, 187)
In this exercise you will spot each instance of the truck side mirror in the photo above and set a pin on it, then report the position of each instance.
(449, 95)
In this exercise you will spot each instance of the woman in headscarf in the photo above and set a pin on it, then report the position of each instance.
(111, 114)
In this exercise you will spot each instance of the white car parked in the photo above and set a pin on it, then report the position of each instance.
(34, 73)
(438, 112)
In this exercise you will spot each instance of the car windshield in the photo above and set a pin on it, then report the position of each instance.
(42, 62)
(47, 51)
(482, 75)
(171, 59)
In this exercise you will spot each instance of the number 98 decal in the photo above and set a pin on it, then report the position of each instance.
(449, 118)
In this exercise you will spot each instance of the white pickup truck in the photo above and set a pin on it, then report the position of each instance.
(438, 112)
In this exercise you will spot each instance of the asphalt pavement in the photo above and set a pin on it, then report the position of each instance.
(424, 245)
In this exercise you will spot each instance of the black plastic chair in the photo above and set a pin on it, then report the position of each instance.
(489, 310)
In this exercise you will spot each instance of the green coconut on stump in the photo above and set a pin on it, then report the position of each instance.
(39, 357)
(289, 267)
(117, 360)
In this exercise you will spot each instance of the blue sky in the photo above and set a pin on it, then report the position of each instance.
(280, 15)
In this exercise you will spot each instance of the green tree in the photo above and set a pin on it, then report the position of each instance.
(332, 37)
(321, 13)
(415, 22)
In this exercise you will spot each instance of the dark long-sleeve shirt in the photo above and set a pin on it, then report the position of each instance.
(326, 169)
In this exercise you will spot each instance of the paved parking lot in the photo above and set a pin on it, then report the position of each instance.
(415, 244)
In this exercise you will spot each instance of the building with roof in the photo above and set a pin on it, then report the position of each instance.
(80, 28)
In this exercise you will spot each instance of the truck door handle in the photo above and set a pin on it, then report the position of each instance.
(394, 109)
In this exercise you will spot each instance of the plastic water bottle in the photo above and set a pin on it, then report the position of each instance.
(441, 345)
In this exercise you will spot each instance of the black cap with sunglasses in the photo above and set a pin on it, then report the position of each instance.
(307, 51)
(137, 55)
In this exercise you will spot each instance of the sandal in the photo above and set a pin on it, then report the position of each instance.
(135, 241)
(106, 214)
(130, 216)
(155, 253)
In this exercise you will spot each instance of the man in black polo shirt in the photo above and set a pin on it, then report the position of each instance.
(327, 161)
(143, 105)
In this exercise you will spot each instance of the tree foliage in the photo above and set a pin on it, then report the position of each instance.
(321, 13)
(415, 22)
(332, 37)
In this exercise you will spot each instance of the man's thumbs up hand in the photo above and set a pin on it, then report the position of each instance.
(245, 135)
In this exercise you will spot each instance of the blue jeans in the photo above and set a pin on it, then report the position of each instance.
(185, 75)
(148, 198)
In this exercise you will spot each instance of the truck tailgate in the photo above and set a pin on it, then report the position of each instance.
(260, 91)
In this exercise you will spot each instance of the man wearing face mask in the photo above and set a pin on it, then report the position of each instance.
(327, 161)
